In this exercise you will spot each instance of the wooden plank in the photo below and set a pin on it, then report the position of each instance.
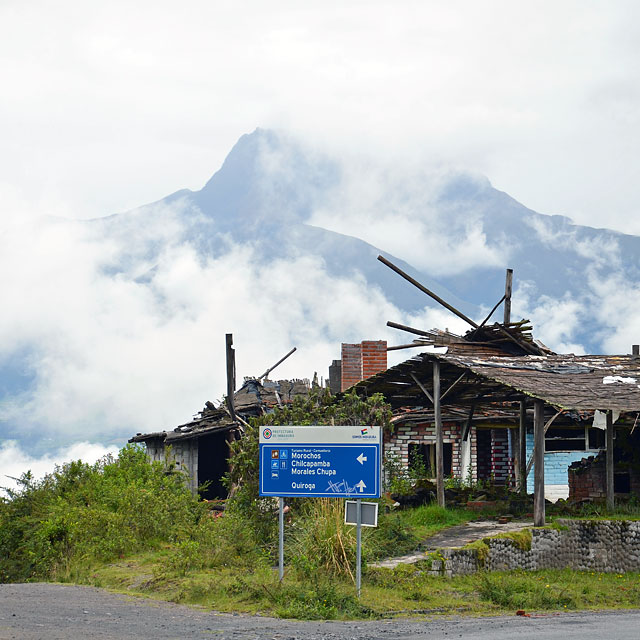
(522, 447)
(231, 374)
(538, 456)
(610, 463)
(453, 384)
(544, 432)
(439, 438)
(404, 327)
(467, 424)
(491, 312)
(412, 345)
(423, 388)
(270, 369)
(424, 289)
(507, 296)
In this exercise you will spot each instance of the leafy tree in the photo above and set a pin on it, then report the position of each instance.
(319, 408)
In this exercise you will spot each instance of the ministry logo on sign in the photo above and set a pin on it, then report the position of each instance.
(267, 434)
(364, 431)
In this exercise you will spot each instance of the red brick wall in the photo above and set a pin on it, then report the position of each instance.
(360, 361)
(374, 357)
(502, 468)
(351, 365)
(589, 481)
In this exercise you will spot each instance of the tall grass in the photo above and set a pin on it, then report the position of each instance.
(321, 541)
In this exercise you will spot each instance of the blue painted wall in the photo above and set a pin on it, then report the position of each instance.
(556, 464)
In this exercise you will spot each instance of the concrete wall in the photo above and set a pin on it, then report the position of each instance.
(583, 545)
(184, 454)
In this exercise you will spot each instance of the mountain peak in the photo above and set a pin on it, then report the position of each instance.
(267, 177)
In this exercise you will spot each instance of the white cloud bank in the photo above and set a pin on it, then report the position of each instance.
(113, 353)
(396, 207)
(541, 97)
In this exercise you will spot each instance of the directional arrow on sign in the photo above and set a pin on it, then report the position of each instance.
(361, 458)
(361, 485)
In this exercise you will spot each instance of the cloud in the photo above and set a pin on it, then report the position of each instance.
(398, 208)
(14, 461)
(555, 320)
(123, 330)
(543, 99)
(602, 251)
(616, 307)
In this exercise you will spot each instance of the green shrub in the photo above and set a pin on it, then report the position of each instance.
(259, 513)
(84, 513)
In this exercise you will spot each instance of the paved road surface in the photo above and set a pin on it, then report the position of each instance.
(55, 612)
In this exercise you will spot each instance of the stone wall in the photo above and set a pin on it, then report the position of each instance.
(583, 545)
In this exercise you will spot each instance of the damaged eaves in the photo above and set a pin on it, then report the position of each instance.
(254, 398)
(567, 382)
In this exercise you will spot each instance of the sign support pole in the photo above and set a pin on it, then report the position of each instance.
(358, 545)
(281, 539)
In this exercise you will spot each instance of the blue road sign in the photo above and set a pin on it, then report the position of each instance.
(335, 462)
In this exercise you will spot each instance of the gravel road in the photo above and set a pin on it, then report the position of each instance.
(54, 612)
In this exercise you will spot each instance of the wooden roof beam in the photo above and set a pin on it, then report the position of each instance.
(430, 293)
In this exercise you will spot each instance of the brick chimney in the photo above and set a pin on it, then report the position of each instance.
(363, 360)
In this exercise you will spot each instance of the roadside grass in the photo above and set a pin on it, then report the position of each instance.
(135, 527)
(405, 590)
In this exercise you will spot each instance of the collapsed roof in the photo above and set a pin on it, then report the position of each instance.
(252, 399)
(567, 382)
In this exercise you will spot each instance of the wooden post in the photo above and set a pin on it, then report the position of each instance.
(439, 443)
(231, 375)
(610, 463)
(507, 296)
(538, 461)
(522, 447)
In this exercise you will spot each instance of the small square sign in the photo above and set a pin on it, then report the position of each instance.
(368, 513)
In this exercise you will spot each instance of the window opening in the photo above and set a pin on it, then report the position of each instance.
(422, 458)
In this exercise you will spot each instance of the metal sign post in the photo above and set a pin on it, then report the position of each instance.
(281, 539)
(358, 546)
(320, 462)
